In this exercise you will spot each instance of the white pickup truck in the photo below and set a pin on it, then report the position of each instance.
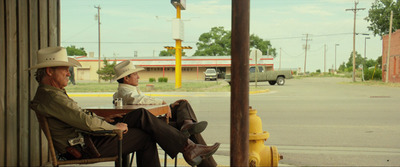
(273, 77)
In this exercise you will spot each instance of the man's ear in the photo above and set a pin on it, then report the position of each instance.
(49, 71)
(126, 78)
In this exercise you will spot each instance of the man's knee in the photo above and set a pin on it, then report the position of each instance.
(184, 103)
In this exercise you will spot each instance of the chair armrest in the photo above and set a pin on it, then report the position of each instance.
(114, 132)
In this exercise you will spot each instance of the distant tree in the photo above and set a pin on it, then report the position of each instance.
(166, 53)
(370, 63)
(107, 73)
(73, 51)
(264, 46)
(169, 52)
(379, 61)
(379, 16)
(342, 67)
(359, 60)
(217, 42)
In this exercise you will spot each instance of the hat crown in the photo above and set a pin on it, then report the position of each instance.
(52, 54)
(53, 57)
(125, 68)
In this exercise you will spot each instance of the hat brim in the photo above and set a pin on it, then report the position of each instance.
(126, 73)
(71, 62)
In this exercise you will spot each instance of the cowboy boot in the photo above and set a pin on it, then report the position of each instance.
(195, 153)
(189, 127)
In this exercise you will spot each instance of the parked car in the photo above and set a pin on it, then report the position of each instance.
(210, 74)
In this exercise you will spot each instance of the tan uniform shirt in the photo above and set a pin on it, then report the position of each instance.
(65, 116)
(132, 95)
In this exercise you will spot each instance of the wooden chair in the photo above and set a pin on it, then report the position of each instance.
(44, 125)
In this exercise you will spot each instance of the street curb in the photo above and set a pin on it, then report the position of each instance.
(259, 91)
(172, 94)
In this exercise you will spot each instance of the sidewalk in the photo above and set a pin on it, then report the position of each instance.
(221, 157)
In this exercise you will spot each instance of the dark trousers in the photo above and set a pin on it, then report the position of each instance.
(144, 131)
(182, 112)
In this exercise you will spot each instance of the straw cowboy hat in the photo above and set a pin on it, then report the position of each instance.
(54, 57)
(125, 68)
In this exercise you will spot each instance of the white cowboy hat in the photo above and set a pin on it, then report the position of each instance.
(53, 57)
(125, 68)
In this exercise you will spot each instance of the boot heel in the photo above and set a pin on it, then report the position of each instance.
(196, 161)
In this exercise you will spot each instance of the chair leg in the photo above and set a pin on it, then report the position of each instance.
(131, 161)
(176, 160)
(125, 160)
(120, 159)
(165, 159)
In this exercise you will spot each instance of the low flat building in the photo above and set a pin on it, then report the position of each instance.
(193, 68)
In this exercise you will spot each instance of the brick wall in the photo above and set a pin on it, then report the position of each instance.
(394, 58)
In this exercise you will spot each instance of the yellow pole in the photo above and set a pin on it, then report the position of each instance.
(178, 55)
(178, 65)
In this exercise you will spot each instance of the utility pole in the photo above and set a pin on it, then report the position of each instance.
(335, 55)
(388, 49)
(98, 21)
(325, 58)
(305, 55)
(280, 57)
(354, 37)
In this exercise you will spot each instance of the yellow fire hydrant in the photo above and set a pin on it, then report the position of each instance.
(259, 154)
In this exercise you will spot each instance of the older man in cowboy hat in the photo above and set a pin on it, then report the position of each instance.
(65, 117)
(183, 116)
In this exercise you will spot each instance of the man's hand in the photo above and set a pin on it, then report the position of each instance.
(177, 102)
(123, 127)
(110, 118)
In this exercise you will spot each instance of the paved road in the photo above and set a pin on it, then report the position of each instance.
(312, 121)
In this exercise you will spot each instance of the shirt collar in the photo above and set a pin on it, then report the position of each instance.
(52, 88)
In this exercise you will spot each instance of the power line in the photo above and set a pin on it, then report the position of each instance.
(299, 54)
(83, 30)
(322, 35)
(111, 42)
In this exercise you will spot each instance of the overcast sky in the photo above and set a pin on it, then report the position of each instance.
(145, 27)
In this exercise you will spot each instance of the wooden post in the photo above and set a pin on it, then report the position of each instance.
(35, 132)
(2, 84)
(23, 91)
(11, 106)
(44, 42)
(240, 83)
(388, 49)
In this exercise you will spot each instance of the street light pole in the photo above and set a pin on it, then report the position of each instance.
(365, 47)
(335, 55)
(365, 57)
